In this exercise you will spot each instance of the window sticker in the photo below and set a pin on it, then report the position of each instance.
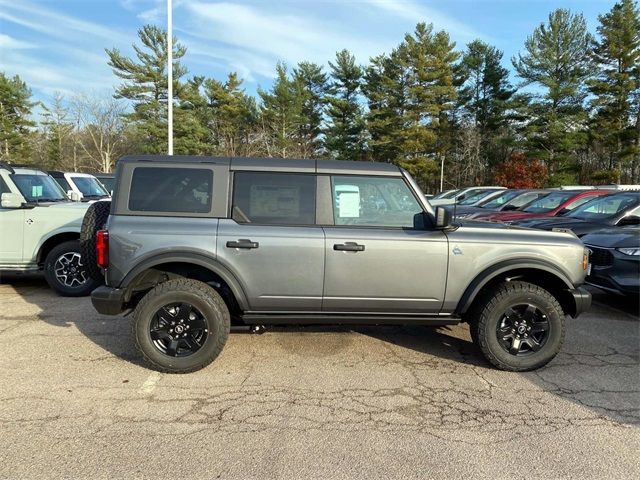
(348, 201)
(36, 191)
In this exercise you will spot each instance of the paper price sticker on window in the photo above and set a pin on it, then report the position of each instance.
(36, 191)
(348, 201)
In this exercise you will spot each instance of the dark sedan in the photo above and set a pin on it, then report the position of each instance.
(617, 209)
(615, 259)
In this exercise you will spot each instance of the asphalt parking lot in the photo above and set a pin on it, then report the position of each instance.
(310, 402)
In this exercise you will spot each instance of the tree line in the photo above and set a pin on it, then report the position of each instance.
(572, 114)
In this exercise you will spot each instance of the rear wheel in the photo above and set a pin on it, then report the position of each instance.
(66, 273)
(181, 326)
(519, 326)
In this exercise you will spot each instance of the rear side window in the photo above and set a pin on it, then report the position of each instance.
(180, 190)
(274, 198)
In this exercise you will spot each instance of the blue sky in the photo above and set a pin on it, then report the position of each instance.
(58, 45)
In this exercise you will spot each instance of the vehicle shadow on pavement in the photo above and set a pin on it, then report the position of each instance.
(597, 368)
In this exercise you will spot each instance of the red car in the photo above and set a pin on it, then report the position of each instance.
(556, 203)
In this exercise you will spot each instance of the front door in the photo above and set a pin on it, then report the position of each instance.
(11, 231)
(376, 261)
(271, 242)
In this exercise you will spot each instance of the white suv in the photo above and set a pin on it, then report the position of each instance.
(40, 230)
(86, 187)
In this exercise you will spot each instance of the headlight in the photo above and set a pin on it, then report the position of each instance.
(635, 251)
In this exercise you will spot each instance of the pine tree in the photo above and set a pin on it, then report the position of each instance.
(232, 116)
(617, 86)
(431, 95)
(15, 122)
(314, 84)
(281, 115)
(557, 62)
(385, 87)
(145, 84)
(344, 135)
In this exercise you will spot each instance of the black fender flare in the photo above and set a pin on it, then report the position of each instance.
(500, 268)
(196, 259)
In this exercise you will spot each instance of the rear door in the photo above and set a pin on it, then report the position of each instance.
(376, 261)
(272, 243)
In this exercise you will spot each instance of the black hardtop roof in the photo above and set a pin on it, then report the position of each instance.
(274, 164)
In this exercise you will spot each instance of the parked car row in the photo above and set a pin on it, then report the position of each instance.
(607, 220)
(41, 215)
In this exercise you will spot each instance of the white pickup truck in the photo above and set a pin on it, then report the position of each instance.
(40, 230)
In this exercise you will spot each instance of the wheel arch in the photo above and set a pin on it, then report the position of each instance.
(187, 265)
(54, 240)
(538, 272)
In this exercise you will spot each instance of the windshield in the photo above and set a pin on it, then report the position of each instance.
(90, 187)
(108, 182)
(500, 199)
(605, 207)
(38, 188)
(445, 194)
(476, 197)
(548, 203)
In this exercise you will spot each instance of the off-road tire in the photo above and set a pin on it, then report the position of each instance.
(69, 247)
(95, 218)
(201, 296)
(489, 311)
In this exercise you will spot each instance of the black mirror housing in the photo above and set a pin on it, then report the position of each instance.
(630, 220)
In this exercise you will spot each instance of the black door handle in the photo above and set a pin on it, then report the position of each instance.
(243, 243)
(349, 247)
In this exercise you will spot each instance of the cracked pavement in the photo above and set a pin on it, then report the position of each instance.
(370, 402)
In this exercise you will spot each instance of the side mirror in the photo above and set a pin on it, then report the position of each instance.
(12, 200)
(509, 208)
(443, 218)
(74, 196)
(460, 198)
(630, 220)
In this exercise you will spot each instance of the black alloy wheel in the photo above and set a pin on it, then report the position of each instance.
(523, 329)
(178, 330)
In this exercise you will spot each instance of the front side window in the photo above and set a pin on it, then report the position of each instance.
(63, 183)
(90, 187)
(179, 190)
(38, 188)
(4, 188)
(373, 202)
(500, 200)
(274, 198)
(548, 203)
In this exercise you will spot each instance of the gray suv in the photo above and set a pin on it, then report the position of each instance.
(192, 245)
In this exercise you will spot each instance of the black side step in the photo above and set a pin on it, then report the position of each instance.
(344, 319)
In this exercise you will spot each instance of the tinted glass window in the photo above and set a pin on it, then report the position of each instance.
(605, 207)
(63, 183)
(498, 201)
(373, 201)
(38, 188)
(183, 190)
(108, 182)
(274, 198)
(550, 202)
(89, 186)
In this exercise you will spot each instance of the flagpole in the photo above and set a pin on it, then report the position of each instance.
(170, 76)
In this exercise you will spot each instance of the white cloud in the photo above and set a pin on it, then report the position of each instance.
(55, 24)
(414, 12)
(252, 39)
(7, 42)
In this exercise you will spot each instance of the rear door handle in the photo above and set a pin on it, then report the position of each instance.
(349, 247)
(243, 243)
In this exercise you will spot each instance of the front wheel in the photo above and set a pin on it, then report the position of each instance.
(519, 326)
(66, 273)
(181, 326)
